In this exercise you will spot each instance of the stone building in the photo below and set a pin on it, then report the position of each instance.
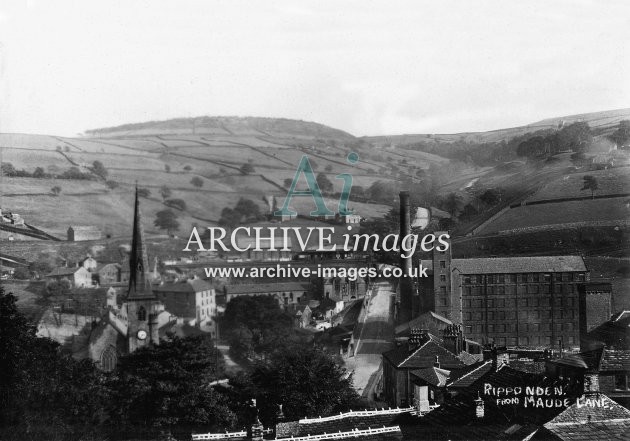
(510, 301)
(287, 293)
(193, 300)
(78, 233)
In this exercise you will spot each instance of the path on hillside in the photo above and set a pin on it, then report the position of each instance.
(376, 337)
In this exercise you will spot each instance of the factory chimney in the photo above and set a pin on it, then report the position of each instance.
(406, 283)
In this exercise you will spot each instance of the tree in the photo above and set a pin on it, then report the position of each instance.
(621, 136)
(590, 183)
(490, 197)
(230, 218)
(453, 203)
(99, 169)
(144, 192)
(56, 190)
(21, 273)
(247, 169)
(59, 288)
(187, 168)
(39, 173)
(255, 325)
(324, 183)
(43, 394)
(166, 220)
(165, 192)
(248, 209)
(197, 181)
(167, 385)
(306, 381)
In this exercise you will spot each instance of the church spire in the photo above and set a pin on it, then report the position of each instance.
(139, 285)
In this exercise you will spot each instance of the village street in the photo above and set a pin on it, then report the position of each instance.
(376, 337)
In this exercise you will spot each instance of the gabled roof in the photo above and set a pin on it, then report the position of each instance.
(433, 375)
(423, 356)
(602, 420)
(63, 271)
(472, 375)
(507, 265)
(418, 321)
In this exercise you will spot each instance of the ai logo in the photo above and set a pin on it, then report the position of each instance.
(304, 167)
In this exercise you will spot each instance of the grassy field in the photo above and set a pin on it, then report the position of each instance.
(613, 209)
(612, 181)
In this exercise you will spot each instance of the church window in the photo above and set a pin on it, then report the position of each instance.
(142, 314)
(108, 359)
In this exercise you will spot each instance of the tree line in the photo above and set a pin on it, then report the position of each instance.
(46, 394)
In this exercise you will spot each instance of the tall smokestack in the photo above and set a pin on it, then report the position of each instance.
(406, 283)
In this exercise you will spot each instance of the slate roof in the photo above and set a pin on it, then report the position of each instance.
(433, 375)
(472, 375)
(63, 271)
(507, 265)
(601, 359)
(266, 288)
(405, 328)
(193, 285)
(423, 356)
(610, 421)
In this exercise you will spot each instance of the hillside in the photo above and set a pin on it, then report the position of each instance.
(601, 121)
(168, 153)
(200, 160)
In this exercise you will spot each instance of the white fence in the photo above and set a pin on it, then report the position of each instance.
(351, 433)
(357, 413)
(226, 435)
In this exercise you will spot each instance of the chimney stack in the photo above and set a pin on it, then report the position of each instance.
(406, 285)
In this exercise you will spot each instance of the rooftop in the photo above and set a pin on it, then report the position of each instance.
(263, 288)
(192, 285)
(507, 265)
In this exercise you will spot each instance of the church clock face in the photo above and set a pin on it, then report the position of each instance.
(142, 334)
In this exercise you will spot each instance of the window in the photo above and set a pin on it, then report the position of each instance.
(532, 289)
(580, 277)
(510, 278)
(468, 330)
(466, 279)
(467, 316)
(442, 278)
(523, 341)
(547, 277)
(442, 302)
(142, 314)
(442, 264)
(568, 289)
(501, 290)
(466, 303)
(622, 382)
(501, 278)
(443, 290)
(109, 359)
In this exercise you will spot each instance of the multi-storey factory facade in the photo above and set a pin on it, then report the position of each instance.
(510, 301)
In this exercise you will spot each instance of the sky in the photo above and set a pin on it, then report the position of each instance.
(366, 67)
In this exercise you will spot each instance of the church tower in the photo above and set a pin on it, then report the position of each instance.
(143, 306)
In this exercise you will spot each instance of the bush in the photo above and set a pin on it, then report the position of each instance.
(180, 204)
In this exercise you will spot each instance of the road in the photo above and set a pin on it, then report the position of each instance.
(375, 338)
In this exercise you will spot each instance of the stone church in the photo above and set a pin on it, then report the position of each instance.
(137, 322)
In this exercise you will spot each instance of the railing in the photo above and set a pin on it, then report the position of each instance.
(340, 434)
(358, 413)
(226, 435)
